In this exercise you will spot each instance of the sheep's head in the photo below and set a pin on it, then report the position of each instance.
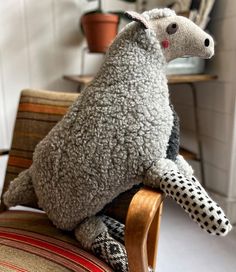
(177, 35)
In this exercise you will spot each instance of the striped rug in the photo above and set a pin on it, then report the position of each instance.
(30, 243)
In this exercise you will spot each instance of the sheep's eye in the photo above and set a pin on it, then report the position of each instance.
(172, 28)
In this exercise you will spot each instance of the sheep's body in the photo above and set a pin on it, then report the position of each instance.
(119, 126)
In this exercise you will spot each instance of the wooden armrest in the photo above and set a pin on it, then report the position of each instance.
(142, 229)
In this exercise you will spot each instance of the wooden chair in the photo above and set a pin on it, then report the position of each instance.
(28, 240)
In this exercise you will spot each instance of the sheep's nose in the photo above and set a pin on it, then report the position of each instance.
(207, 42)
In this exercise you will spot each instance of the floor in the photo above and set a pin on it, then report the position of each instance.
(184, 247)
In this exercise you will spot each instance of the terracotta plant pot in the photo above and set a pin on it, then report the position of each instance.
(100, 29)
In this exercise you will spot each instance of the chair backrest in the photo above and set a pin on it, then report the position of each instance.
(38, 112)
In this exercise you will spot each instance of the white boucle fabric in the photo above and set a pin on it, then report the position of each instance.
(184, 167)
(158, 13)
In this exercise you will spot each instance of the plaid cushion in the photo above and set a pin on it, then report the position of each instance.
(30, 243)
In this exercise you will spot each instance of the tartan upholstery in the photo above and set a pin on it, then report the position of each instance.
(30, 243)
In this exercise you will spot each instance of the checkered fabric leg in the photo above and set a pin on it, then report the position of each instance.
(111, 251)
(190, 195)
(115, 228)
(197, 184)
(187, 171)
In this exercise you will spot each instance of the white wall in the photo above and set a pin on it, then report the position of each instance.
(216, 110)
(39, 42)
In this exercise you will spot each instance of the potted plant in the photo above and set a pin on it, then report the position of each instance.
(100, 27)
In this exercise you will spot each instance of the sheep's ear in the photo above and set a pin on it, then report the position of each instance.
(134, 16)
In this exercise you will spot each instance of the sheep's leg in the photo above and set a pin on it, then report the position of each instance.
(190, 195)
(20, 191)
(93, 235)
(115, 228)
(187, 171)
(184, 166)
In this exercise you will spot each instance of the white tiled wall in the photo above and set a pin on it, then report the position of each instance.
(216, 109)
(33, 52)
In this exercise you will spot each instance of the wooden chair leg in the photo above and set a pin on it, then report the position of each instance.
(153, 238)
(143, 216)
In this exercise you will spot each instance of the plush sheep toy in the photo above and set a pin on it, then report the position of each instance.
(120, 132)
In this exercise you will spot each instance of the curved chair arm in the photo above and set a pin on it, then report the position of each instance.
(142, 229)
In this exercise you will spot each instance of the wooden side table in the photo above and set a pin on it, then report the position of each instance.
(83, 80)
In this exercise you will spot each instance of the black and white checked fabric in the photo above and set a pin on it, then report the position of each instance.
(191, 196)
(111, 251)
(115, 228)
